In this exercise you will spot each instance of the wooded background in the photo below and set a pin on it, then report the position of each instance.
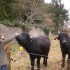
(28, 13)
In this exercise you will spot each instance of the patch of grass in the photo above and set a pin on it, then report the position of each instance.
(15, 48)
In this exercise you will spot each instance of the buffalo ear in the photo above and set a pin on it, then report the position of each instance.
(56, 38)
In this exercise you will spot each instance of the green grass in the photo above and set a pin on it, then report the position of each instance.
(15, 48)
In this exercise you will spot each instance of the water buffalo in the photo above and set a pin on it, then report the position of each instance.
(36, 47)
(64, 40)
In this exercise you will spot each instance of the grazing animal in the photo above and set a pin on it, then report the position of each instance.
(36, 47)
(64, 40)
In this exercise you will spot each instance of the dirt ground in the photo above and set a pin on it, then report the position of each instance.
(22, 62)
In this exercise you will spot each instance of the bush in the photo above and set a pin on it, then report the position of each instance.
(46, 31)
(13, 23)
(25, 27)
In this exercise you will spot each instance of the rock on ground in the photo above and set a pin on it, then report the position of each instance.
(8, 31)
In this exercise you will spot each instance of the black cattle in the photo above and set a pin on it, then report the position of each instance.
(64, 40)
(36, 47)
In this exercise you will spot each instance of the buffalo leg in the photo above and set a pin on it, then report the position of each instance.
(45, 61)
(38, 63)
(63, 60)
(32, 63)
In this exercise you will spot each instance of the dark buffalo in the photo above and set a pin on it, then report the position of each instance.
(36, 47)
(64, 40)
